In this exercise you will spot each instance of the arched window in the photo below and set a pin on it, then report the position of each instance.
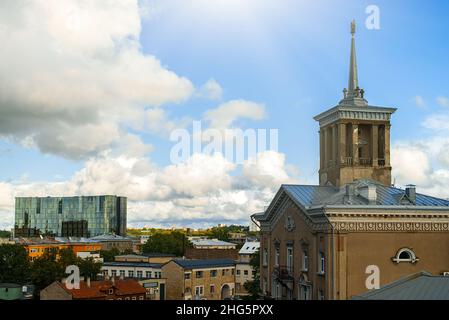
(405, 255)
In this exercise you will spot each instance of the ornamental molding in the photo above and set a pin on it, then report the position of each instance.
(390, 226)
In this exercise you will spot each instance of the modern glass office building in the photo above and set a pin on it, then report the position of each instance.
(82, 216)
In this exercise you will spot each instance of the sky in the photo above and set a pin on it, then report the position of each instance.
(91, 91)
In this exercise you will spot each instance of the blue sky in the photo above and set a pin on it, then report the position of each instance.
(290, 57)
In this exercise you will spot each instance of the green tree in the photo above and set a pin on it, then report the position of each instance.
(108, 255)
(89, 268)
(5, 234)
(14, 264)
(46, 269)
(162, 242)
(253, 287)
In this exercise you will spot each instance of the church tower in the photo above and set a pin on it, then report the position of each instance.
(354, 136)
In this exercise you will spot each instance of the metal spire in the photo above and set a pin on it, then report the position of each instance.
(353, 79)
(353, 94)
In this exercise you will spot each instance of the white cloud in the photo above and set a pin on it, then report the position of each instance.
(419, 101)
(443, 101)
(437, 122)
(227, 113)
(211, 90)
(73, 72)
(206, 189)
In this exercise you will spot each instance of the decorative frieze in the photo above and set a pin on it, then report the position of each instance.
(403, 226)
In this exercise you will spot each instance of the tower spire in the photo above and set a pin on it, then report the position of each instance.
(353, 94)
(353, 79)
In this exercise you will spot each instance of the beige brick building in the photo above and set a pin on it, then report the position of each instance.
(212, 279)
(323, 241)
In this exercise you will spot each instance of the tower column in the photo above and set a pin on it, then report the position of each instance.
(375, 144)
(321, 148)
(387, 145)
(341, 144)
(355, 144)
(326, 147)
(335, 145)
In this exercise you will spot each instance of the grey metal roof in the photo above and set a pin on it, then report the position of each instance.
(211, 242)
(204, 263)
(419, 286)
(132, 264)
(312, 195)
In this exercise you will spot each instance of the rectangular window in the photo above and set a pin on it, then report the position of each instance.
(245, 272)
(265, 257)
(213, 273)
(321, 266)
(148, 274)
(199, 274)
(305, 261)
(238, 272)
(113, 273)
(122, 273)
(290, 259)
(139, 274)
(276, 257)
(199, 291)
(212, 289)
(130, 273)
(187, 275)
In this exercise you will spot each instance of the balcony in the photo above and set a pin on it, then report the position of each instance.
(283, 273)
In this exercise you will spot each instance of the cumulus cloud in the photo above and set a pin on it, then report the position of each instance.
(203, 190)
(227, 113)
(72, 74)
(211, 90)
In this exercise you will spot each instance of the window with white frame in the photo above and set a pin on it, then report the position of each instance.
(122, 273)
(265, 257)
(139, 274)
(130, 273)
(276, 256)
(199, 290)
(148, 274)
(290, 259)
(305, 260)
(113, 273)
(405, 255)
(321, 263)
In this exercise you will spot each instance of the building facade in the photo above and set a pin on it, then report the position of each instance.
(323, 241)
(212, 279)
(82, 216)
(137, 270)
(111, 289)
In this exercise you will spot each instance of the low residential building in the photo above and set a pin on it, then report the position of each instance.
(206, 279)
(138, 270)
(244, 271)
(90, 255)
(109, 241)
(418, 286)
(113, 289)
(238, 238)
(156, 288)
(146, 257)
(211, 249)
(36, 247)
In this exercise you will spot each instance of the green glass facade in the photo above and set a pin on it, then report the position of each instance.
(82, 216)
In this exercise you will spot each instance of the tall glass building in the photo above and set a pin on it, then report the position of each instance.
(82, 216)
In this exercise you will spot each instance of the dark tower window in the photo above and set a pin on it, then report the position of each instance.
(60, 206)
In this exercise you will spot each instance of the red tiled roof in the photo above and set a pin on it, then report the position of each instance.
(99, 289)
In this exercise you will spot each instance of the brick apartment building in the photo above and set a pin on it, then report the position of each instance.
(212, 279)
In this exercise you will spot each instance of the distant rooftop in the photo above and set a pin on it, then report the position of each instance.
(211, 243)
(109, 237)
(132, 264)
(204, 263)
(419, 286)
(250, 247)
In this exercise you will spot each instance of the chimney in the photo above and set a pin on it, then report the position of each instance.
(113, 281)
(349, 193)
(410, 192)
(88, 282)
(372, 194)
